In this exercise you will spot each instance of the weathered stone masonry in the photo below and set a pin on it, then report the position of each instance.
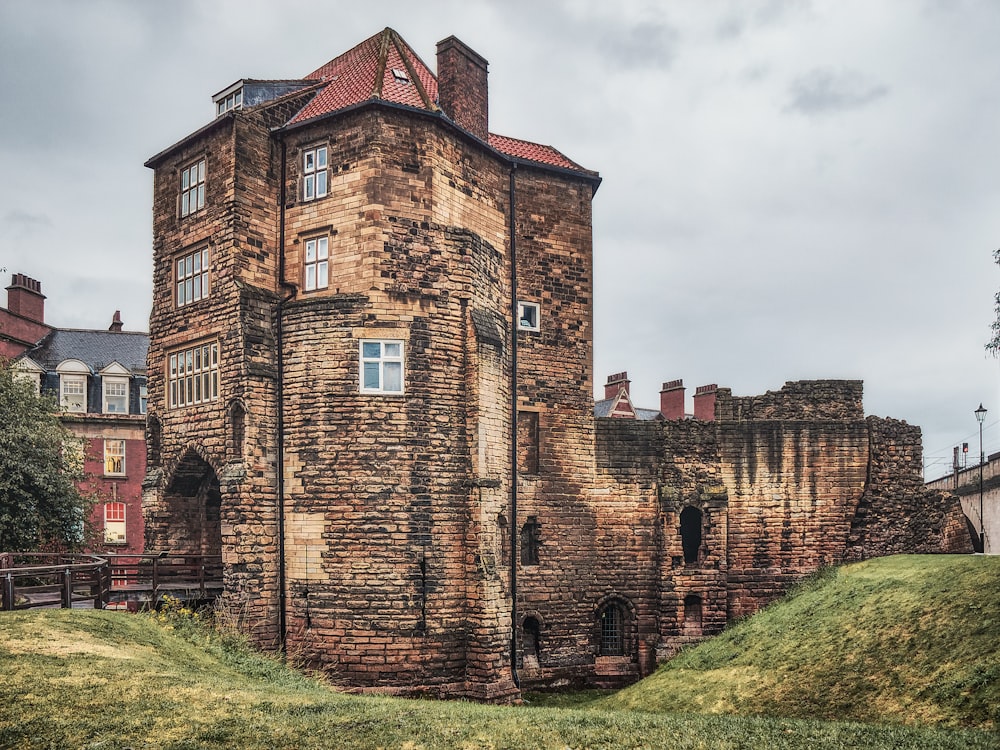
(369, 526)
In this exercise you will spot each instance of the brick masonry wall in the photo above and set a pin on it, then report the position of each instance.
(126, 488)
(410, 486)
(896, 513)
(207, 492)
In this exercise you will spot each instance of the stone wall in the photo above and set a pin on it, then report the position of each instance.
(896, 513)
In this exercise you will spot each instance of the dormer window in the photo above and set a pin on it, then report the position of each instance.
(233, 101)
(400, 75)
(115, 380)
(228, 99)
(27, 370)
(73, 385)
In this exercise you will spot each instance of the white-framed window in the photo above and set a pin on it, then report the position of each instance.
(381, 366)
(193, 188)
(115, 395)
(317, 263)
(114, 457)
(191, 277)
(114, 523)
(27, 370)
(73, 392)
(314, 174)
(143, 398)
(233, 100)
(193, 376)
(527, 316)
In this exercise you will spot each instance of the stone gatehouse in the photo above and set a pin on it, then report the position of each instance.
(371, 389)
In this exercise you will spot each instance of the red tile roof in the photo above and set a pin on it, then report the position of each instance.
(366, 72)
(532, 152)
(385, 67)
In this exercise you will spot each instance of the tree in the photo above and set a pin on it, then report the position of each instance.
(993, 347)
(40, 463)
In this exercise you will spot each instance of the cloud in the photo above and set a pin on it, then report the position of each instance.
(25, 221)
(823, 91)
(647, 45)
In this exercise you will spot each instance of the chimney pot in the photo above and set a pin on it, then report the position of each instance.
(672, 399)
(616, 384)
(116, 322)
(25, 298)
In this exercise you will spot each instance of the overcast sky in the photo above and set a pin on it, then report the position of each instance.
(792, 189)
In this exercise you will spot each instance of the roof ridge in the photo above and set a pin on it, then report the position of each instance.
(402, 48)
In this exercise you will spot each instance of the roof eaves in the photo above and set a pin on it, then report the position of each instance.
(154, 161)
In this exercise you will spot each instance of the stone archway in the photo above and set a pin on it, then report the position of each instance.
(192, 509)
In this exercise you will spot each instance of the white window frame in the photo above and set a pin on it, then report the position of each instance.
(315, 177)
(193, 375)
(117, 389)
(528, 316)
(191, 277)
(192, 197)
(114, 457)
(377, 366)
(27, 370)
(115, 530)
(316, 265)
(73, 392)
(233, 100)
(143, 398)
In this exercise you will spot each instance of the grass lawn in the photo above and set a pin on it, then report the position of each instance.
(79, 679)
(909, 639)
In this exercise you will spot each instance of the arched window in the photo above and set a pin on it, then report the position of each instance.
(691, 533)
(612, 630)
(237, 419)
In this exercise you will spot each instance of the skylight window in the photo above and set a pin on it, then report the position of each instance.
(400, 75)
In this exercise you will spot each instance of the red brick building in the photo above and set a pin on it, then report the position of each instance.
(99, 380)
(371, 390)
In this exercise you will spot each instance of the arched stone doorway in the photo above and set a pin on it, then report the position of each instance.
(192, 509)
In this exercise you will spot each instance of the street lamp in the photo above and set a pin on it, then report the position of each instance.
(980, 417)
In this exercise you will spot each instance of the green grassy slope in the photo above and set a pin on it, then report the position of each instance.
(75, 679)
(910, 639)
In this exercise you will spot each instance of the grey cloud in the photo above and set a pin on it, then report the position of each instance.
(25, 221)
(823, 91)
(643, 45)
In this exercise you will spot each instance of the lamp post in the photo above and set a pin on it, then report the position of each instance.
(981, 417)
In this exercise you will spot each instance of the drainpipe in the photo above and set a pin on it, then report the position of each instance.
(513, 431)
(280, 395)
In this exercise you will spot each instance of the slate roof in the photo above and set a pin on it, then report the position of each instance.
(370, 71)
(97, 349)
(604, 407)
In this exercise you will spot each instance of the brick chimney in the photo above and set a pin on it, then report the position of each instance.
(616, 384)
(116, 322)
(672, 400)
(462, 86)
(704, 402)
(25, 298)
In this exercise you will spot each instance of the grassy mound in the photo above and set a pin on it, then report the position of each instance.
(909, 639)
(78, 679)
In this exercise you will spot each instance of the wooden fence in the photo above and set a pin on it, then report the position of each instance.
(31, 580)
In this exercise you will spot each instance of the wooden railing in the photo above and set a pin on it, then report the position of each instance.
(30, 580)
